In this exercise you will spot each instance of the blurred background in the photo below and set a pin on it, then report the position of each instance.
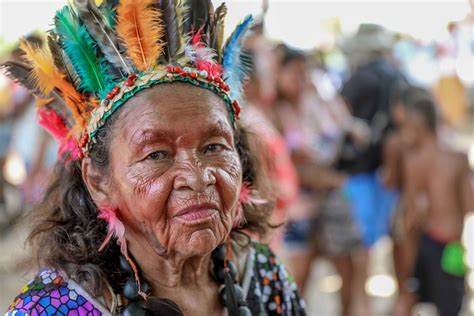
(329, 96)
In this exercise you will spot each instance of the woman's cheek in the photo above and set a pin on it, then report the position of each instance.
(151, 188)
(229, 177)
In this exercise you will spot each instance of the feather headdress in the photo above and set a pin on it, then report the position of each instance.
(98, 57)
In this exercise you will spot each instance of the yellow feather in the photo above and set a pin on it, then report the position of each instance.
(47, 77)
(139, 27)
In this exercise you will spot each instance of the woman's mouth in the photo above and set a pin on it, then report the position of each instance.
(197, 213)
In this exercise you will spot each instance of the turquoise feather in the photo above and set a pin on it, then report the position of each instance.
(82, 52)
(235, 71)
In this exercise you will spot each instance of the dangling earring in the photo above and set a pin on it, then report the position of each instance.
(116, 228)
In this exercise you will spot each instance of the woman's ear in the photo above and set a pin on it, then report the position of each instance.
(96, 183)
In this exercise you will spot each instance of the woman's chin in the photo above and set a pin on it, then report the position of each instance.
(200, 242)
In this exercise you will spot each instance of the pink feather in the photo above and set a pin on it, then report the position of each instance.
(196, 38)
(205, 56)
(53, 123)
(115, 228)
(69, 149)
(244, 193)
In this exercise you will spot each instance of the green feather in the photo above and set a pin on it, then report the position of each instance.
(82, 52)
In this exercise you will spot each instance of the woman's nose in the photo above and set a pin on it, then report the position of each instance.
(193, 174)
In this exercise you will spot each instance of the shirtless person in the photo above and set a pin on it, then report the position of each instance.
(394, 155)
(441, 177)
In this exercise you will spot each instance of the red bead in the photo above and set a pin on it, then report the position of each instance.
(132, 76)
(168, 68)
(109, 96)
(129, 83)
(210, 78)
(227, 87)
(115, 90)
(184, 74)
(193, 75)
(219, 80)
(177, 69)
(236, 108)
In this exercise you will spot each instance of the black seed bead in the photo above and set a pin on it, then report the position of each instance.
(145, 287)
(232, 269)
(124, 265)
(244, 311)
(239, 295)
(219, 273)
(219, 253)
(130, 290)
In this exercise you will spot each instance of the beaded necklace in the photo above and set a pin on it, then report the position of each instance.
(224, 271)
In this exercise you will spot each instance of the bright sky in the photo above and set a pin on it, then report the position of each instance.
(302, 23)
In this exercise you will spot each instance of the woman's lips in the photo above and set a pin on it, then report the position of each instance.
(197, 213)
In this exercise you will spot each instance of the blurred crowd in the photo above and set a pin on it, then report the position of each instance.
(360, 144)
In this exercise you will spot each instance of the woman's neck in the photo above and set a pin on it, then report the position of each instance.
(171, 270)
(186, 281)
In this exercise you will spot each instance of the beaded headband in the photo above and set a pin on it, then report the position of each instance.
(98, 57)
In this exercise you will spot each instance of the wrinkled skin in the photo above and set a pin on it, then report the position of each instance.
(173, 149)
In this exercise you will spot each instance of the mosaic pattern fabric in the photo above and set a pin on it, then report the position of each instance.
(50, 294)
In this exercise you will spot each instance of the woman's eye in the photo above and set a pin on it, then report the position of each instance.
(157, 155)
(213, 148)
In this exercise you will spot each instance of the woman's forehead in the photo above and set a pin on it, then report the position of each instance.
(174, 109)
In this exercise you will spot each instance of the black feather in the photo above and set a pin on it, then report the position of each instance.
(61, 61)
(172, 29)
(22, 74)
(217, 30)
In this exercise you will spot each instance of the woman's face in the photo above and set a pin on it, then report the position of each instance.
(175, 172)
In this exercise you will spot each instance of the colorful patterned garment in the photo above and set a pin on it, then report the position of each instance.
(270, 291)
(50, 293)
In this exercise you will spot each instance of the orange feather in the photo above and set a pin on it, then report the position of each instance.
(139, 27)
(47, 77)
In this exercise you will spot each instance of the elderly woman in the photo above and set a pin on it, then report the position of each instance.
(157, 186)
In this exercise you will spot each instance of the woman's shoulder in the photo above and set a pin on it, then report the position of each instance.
(52, 293)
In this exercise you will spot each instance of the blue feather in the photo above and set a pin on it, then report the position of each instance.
(235, 71)
(82, 52)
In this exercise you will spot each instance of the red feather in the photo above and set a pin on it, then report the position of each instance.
(68, 146)
(53, 123)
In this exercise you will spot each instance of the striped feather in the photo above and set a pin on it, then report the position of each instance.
(102, 33)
